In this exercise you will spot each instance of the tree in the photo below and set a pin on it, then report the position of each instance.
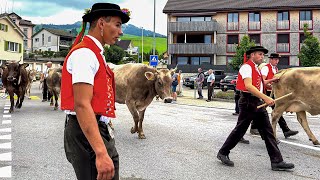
(114, 54)
(245, 44)
(310, 51)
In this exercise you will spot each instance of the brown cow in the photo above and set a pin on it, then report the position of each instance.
(31, 75)
(137, 85)
(54, 85)
(15, 81)
(304, 84)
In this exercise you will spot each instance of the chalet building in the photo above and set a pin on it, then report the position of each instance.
(206, 33)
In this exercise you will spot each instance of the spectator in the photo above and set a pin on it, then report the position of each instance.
(180, 83)
(199, 81)
(210, 84)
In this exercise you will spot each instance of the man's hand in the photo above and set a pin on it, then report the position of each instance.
(269, 100)
(105, 167)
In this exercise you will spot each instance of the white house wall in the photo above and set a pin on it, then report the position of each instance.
(52, 46)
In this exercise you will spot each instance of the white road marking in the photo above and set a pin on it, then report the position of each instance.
(6, 122)
(7, 116)
(5, 111)
(5, 130)
(301, 145)
(5, 136)
(7, 107)
(5, 145)
(6, 156)
(5, 171)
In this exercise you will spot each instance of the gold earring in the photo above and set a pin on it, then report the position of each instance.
(101, 32)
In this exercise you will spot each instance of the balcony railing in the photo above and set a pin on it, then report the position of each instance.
(254, 25)
(283, 24)
(231, 47)
(233, 26)
(192, 48)
(283, 47)
(194, 26)
(309, 22)
(65, 43)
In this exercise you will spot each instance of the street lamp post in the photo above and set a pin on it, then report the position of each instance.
(154, 27)
(142, 46)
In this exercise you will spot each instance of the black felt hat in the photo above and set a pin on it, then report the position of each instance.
(106, 9)
(274, 55)
(257, 48)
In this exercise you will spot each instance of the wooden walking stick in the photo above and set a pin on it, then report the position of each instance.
(282, 97)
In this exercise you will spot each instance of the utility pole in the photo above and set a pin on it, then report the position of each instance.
(154, 27)
(142, 46)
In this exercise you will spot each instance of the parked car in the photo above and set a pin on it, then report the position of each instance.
(228, 83)
(219, 74)
(38, 75)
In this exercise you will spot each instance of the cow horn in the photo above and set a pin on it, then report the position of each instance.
(19, 60)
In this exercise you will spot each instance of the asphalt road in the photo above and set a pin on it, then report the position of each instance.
(182, 143)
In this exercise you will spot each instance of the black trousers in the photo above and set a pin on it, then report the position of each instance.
(248, 111)
(236, 100)
(210, 91)
(81, 155)
(46, 95)
(282, 123)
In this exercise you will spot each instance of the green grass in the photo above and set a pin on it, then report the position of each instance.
(225, 95)
(161, 43)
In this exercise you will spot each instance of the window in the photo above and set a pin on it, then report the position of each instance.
(182, 60)
(49, 38)
(255, 38)
(49, 49)
(229, 59)
(207, 39)
(284, 60)
(305, 16)
(195, 61)
(254, 17)
(36, 39)
(283, 16)
(204, 60)
(283, 38)
(233, 17)
(3, 27)
(233, 39)
(25, 31)
(197, 18)
(14, 20)
(25, 43)
(302, 37)
(207, 18)
(183, 19)
(42, 39)
(12, 46)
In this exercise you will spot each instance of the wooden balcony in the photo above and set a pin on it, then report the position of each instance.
(193, 26)
(309, 22)
(192, 48)
(231, 48)
(233, 26)
(254, 25)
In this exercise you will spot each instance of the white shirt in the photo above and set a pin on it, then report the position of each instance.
(246, 72)
(211, 77)
(45, 73)
(265, 70)
(83, 65)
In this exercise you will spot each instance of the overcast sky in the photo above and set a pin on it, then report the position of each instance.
(70, 11)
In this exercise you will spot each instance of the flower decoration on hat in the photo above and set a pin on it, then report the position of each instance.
(126, 11)
(87, 11)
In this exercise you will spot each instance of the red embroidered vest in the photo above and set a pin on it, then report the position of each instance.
(270, 74)
(103, 100)
(256, 78)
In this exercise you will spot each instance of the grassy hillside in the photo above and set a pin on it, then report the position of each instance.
(161, 43)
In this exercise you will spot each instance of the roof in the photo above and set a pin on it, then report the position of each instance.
(15, 15)
(58, 32)
(176, 6)
(5, 16)
(26, 22)
(124, 44)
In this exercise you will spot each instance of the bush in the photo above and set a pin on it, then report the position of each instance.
(225, 95)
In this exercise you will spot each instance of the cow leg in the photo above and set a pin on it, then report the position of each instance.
(276, 114)
(302, 118)
(18, 100)
(11, 94)
(21, 100)
(135, 116)
(140, 129)
(56, 99)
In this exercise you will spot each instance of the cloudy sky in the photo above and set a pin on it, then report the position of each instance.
(70, 11)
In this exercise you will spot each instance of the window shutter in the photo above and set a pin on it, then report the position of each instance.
(6, 45)
(6, 28)
(20, 48)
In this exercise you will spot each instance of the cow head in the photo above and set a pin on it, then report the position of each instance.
(162, 82)
(14, 71)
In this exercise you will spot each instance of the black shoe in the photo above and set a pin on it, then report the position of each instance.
(290, 133)
(225, 160)
(281, 166)
(244, 141)
(208, 100)
(44, 100)
(254, 132)
(235, 114)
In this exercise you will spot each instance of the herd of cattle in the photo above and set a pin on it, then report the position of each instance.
(138, 84)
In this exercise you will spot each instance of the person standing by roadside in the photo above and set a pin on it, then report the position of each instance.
(180, 83)
(251, 87)
(199, 81)
(174, 86)
(210, 83)
(88, 96)
(46, 94)
(268, 71)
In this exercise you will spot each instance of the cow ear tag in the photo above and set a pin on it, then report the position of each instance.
(149, 76)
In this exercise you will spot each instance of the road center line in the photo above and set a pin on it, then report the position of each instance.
(301, 145)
